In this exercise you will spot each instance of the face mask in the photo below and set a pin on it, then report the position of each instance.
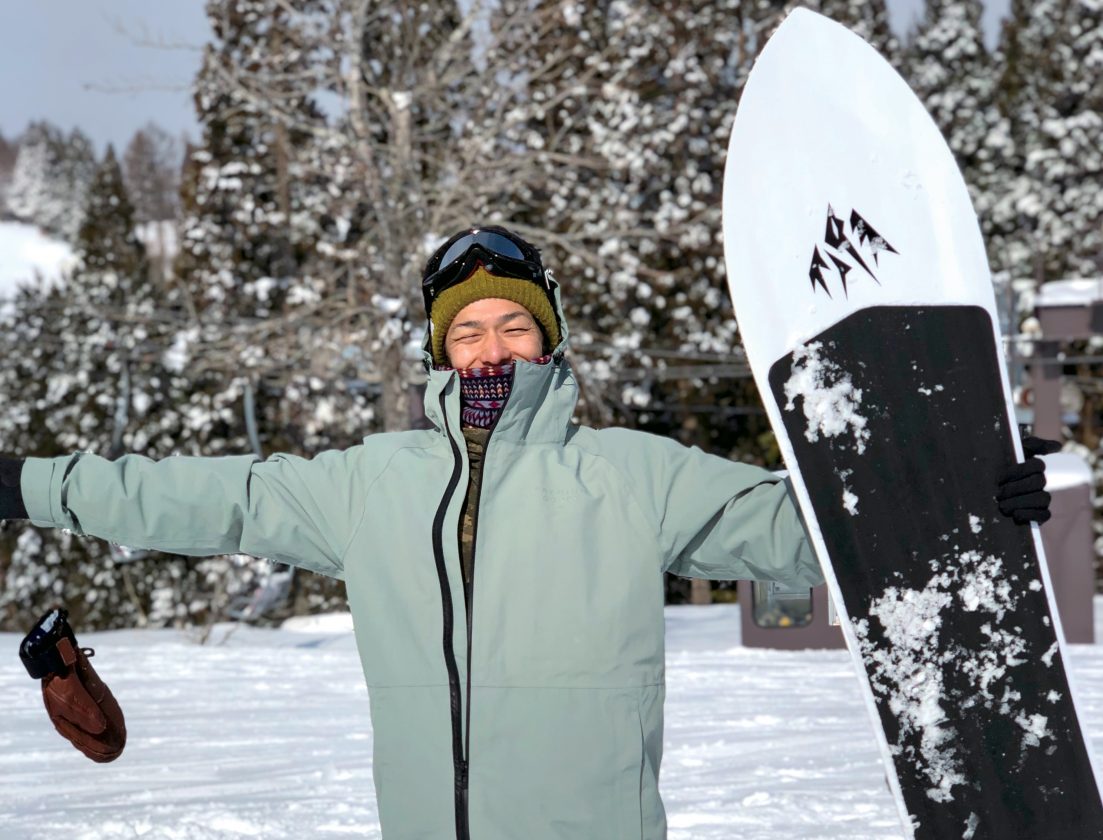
(484, 391)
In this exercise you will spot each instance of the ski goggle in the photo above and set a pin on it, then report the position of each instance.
(497, 253)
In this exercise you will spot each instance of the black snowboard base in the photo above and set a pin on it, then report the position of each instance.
(898, 420)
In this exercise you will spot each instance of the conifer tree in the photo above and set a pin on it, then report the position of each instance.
(633, 231)
(32, 190)
(949, 69)
(867, 18)
(253, 218)
(74, 180)
(245, 236)
(9, 150)
(51, 179)
(1048, 216)
(952, 72)
(1064, 148)
(85, 380)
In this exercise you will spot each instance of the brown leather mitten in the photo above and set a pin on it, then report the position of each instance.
(81, 707)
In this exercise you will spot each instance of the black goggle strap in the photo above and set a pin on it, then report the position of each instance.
(39, 650)
(458, 270)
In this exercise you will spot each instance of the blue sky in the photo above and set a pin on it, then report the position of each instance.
(110, 66)
(86, 63)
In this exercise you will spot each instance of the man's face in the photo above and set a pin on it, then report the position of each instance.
(492, 331)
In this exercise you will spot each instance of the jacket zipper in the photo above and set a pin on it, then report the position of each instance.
(469, 597)
(459, 763)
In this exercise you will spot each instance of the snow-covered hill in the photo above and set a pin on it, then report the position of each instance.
(27, 255)
(265, 733)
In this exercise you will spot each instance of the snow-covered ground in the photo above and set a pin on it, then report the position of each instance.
(27, 254)
(265, 733)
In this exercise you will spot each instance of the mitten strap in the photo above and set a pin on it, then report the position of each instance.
(40, 649)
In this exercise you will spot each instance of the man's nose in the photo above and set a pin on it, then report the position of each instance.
(495, 351)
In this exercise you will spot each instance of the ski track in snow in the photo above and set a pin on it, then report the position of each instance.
(268, 736)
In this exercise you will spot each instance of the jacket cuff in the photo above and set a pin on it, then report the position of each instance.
(40, 484)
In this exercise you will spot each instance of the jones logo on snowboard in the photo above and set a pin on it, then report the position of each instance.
(839, 246)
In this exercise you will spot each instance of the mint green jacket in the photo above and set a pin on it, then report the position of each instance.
(546, 719)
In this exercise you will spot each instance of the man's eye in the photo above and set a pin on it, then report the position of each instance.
(518, 330)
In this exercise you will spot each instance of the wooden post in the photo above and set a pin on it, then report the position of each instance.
(700, 591)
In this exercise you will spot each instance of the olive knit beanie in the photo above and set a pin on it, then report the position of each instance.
(479, 286)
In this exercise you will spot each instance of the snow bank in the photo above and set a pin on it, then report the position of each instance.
(1066, 469)
(1077, 292)
(26, 253)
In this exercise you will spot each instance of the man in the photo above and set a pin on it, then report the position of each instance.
(504, 569)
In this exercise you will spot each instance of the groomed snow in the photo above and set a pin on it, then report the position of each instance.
(265, 733)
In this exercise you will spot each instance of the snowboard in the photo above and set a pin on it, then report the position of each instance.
(864, 301)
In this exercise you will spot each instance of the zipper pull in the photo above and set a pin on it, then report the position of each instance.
(461, 778)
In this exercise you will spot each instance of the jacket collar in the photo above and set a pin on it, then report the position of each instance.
(540, 405)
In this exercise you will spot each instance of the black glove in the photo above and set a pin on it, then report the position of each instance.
(11, 497)
(1021, 494)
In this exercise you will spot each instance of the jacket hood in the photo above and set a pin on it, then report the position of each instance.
(540, 405)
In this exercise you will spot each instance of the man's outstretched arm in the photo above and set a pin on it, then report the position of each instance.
(287, 508)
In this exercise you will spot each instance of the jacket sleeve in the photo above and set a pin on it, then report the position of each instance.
(719, 519)
(285, 508)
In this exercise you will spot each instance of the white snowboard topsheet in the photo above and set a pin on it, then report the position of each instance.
(825, 120)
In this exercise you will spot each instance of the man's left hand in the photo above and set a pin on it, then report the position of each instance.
(1021, 494)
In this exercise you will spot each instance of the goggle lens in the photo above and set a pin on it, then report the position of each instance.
(493, 242)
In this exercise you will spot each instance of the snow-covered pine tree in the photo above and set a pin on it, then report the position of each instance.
(99, 332)
(80, 375)
(438, 133)
(635, 231)
(31, 190)
(245, 237)
(1048, 100)
(34, 564)
(1064, 149)
(9, 150)
(867, 18)
(51, 178)
(951, 71)
(254, 342)
(77, 167)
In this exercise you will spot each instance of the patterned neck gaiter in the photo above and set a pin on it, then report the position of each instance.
(484, 391)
